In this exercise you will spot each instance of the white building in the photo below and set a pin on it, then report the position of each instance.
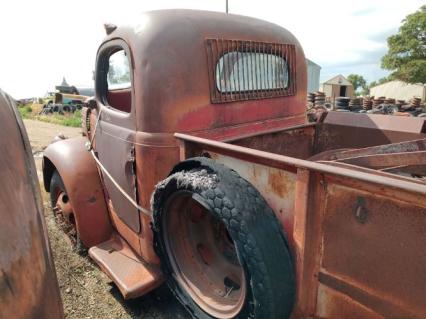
(338, 86)
(313, 74)
(399, 90)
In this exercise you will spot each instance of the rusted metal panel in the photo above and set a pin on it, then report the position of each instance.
(414, 195)
(333, 304)
(276, 186)
(408, 146)
(380, 161)
(28, 284)
(375, 121)
(371, 244)
(411, 170)
(387, 181)
(404, 157)
(156, 154)
(364, 130)
(121, 166)
(131, 237)
(298, 142)
(81, 179)
(302, 244)
(308, 264)
(131, 274)
(235, 132)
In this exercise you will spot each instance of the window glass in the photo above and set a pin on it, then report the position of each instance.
(118, 71)
(119, 93)
(251, 71)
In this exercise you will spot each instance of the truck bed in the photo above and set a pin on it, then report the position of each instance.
(337, 131)
(350, 195)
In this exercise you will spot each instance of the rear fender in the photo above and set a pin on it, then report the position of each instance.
(80, 175)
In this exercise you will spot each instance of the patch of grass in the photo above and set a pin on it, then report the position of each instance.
(32, 111)
(36, 108)
(25, 111)
(71, 119)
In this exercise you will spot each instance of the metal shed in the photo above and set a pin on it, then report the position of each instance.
(313, 75)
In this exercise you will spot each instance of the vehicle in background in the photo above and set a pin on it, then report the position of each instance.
(66, 99)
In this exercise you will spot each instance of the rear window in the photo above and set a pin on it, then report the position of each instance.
(249, 71)
(243, 70)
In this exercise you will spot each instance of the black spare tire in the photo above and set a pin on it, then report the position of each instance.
(222, 248)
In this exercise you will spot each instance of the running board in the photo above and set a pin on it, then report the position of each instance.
(132, 277)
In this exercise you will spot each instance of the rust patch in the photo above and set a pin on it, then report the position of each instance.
(92, 199)
(378, 250)
(332, 304)
(278, 183)
(28, 285)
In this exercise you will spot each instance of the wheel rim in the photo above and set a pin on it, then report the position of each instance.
(203, 257)
(64, 216)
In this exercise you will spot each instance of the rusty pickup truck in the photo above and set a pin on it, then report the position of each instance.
(198, 167)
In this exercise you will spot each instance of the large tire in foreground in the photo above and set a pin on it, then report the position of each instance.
(64, 213)
(222, 248)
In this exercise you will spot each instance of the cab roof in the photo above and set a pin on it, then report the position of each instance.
(171, 78)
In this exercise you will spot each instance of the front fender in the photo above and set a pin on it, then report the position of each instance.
(80, 175)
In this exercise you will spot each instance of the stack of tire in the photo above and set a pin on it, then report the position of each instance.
(60, 108)
(384, 108)
(355, 105)
(399, 104)
(414, 108)
(47, 109)
(367, 103)
(342, 104)
(378, 101)
(310, 99)
(319, 99)
(415, 102)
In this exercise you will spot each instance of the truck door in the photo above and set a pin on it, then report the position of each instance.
(115, 134)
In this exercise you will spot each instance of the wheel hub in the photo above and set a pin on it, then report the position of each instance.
(65, 217)
(203, 257)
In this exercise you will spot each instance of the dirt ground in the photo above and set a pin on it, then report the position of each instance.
(87, 292)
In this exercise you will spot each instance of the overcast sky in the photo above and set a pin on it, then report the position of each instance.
(42, 41)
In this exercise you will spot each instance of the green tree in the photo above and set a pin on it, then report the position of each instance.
(385, 79)
(406, 56)
(372, 84)
(380, 81)
(358, 82)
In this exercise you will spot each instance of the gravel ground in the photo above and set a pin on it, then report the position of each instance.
(86, 291)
